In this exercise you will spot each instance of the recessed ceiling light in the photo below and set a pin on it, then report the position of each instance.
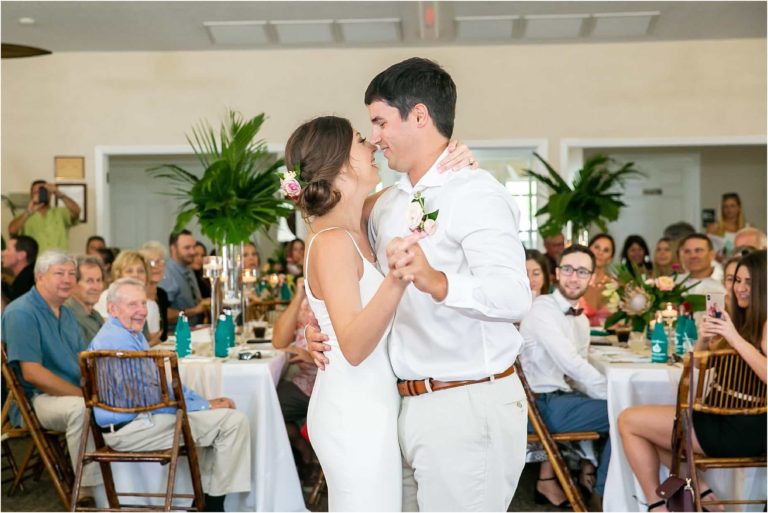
(623, 24)
(374, 30)
(484, 27)
(26, 21)
(237, 32)
(555, 26)
(304, 31)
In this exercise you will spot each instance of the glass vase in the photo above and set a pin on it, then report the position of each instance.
(231, 282)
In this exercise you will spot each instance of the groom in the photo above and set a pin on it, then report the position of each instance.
(462, 423)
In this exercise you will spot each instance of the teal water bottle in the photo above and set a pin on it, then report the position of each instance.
(220, 338)
(691, 335)
(183, 336)
(680, 329)
(230, 328)
(659, 342)
(285, 292)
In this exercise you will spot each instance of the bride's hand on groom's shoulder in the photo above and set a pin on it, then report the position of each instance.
(316, 344)
(459, 156)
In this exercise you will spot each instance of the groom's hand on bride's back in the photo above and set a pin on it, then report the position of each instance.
(316, 343)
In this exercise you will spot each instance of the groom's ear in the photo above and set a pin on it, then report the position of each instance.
(420, 114)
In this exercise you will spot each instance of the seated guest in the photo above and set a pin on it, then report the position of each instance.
(751, 237)
(130, 264)
(19, 258)
(85, 295)
(222, 434)
(180, 283)
(94, 244)
(697, 255)
(664, 263)
(635, 254)
(553, 247)
(293, 393)
(251, 257)
(678, 231)
(729, 273)
(537, 267)
(43, 340)
(203, 283)
(646, 431)
(731, 221)
(156, 255)
(294, 257)
(108, 256)
(593, 302)
(556, 336)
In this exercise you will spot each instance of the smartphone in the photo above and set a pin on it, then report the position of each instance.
(42, 195)
(715, 304)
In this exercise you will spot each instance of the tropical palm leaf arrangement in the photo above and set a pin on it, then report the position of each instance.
(593, 199)
(237, 193)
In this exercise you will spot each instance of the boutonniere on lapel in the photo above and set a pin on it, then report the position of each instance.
(418, 218)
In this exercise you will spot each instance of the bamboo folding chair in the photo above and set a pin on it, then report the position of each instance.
(136, 382)
(45, 444)
(541, 435)
(725, 385)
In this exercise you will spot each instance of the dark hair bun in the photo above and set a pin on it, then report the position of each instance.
(318, 198)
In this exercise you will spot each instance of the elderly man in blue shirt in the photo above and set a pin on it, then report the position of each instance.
(222, 434)
(43, 340)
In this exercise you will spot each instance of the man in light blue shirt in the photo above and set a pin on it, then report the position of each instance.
(222, 434)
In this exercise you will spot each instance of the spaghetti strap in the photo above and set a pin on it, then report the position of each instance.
(309, 248)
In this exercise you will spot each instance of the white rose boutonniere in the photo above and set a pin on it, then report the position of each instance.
(418, 218)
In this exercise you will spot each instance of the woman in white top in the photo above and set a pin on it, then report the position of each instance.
(131, 264)
(352, 416)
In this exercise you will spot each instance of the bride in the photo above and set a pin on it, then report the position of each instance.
(352, 417)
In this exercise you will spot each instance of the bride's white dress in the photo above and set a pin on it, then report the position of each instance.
(352, 417)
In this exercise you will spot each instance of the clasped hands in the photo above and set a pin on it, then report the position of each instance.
(408, 263)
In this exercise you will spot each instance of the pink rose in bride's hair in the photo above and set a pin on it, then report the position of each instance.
(290, 185)
(665, 283)
(430, 227)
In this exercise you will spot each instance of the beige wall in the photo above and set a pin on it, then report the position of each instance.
(69, 103)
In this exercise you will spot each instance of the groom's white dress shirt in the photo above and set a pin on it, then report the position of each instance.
(554, 355)
(470, 334)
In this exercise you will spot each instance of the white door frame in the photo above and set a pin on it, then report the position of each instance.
(102, 155)
(572, 150)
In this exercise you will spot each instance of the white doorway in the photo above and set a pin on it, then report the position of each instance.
(667, 193)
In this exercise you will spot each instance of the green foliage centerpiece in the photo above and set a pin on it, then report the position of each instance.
(237, 193)
(235, 197)
(593, 198)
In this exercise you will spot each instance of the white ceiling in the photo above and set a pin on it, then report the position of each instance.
(179, 26)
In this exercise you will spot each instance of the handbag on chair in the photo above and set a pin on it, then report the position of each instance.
(678, 492)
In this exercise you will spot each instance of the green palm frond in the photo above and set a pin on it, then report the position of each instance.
(592, 199)
(237, 194)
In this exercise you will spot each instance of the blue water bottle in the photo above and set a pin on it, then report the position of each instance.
(183, 336)
(230, 328)
(220, 338)
(659, 342)
(680, 329)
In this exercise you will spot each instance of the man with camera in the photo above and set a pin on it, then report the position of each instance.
(48, 225)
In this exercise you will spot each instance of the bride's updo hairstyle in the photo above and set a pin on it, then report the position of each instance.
(321, 148)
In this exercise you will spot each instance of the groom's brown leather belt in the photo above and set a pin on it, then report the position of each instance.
(424, 386)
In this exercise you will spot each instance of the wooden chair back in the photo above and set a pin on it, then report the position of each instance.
(549, 443)
(45, 443)
(724, 384)
(137, 382)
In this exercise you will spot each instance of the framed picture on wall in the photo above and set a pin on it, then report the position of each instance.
(78, 193)
(69, 168)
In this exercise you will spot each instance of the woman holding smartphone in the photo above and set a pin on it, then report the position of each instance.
(646, 431)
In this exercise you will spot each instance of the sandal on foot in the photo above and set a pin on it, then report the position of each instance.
(540, 498)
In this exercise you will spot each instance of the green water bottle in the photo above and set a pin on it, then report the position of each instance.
(221, 338)
(680, 329)
(659, 342)
(183, 336)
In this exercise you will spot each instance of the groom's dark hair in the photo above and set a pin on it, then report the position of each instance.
(414, 81)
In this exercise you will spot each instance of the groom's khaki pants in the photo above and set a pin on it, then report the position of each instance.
(463, 448)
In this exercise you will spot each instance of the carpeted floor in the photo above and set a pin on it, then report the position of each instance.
(41, 496)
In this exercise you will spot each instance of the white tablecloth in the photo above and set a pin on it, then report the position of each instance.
(251, 384)
(631, 384)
